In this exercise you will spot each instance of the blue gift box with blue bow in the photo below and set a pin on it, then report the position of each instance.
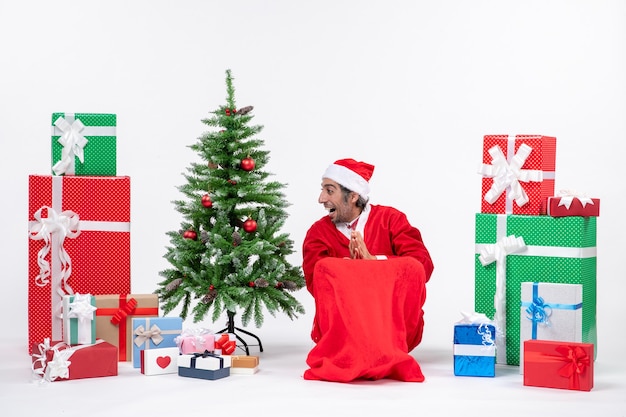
(474, 349)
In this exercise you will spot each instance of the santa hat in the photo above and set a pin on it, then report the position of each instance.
(353, 175)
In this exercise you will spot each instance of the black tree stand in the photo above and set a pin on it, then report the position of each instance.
(230, 328)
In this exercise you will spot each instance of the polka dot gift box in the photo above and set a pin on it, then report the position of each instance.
(79, 229)
(518, 173)
(512, 249)
(84, 144)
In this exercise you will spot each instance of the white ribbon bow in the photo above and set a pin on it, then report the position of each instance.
(567, 196)
(508, 175)
(63, 225)
(81, 308)
(59, 366)
(73, 143)
(144, 335)
(473, 318)
(497, 253)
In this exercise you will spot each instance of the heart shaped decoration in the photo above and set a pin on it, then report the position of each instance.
(163, 361)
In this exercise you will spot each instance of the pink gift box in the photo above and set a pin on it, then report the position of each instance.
(196, 343)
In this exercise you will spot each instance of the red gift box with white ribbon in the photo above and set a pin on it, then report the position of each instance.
(571, 203)
(58, 361)
(518, 173)
(79, 242)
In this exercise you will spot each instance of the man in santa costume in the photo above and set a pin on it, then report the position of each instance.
(358, 230)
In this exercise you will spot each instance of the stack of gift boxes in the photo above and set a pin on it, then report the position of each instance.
(535, 265)
(82, 317)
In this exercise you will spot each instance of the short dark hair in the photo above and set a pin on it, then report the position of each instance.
(361, 202)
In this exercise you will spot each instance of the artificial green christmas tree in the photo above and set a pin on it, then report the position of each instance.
(230, 254)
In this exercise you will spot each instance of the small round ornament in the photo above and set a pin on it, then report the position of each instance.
(206, 201)
(190, 234)
(250, 225)
(247, 164)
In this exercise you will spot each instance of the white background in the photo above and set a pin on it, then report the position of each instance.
(409, 86)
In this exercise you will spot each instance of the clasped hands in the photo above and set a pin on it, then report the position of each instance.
(358, 249)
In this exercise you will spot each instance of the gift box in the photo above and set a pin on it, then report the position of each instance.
(58, 361)
(244, 364)
(195, 341)
(474, 350)
(558, 364)
(84, 144)
(204, 366)
(79, 319)
(571, 204)
(512, 249)
(225, 344)
(114, 318)
(518, 173)
(159, 361)
(550, 312)
(79, 242)
(153, 333)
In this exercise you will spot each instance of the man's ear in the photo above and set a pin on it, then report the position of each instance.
(354, 197)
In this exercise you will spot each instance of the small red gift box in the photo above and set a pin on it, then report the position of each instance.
(79, 229)
(556, 364)
(57, 361)
(567, 204)
(518, 173)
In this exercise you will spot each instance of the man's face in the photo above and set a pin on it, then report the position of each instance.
(339, 210)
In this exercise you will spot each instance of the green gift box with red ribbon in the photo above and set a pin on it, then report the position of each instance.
(511, 249)
(84, 144)
(114, 316)
(79, 242)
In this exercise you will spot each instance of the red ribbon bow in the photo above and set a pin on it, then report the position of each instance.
(576, 361)
(123, 312)
(226, 344)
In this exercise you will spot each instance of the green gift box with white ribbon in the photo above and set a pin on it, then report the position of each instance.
(511, 249)
(84, 144)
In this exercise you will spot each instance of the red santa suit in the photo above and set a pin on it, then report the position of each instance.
(368, 313)
(387, 233)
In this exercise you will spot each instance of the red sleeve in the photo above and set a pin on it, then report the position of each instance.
(391, 232)
(322, 240)
(407, 241)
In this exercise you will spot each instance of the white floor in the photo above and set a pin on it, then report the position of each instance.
(278, 389)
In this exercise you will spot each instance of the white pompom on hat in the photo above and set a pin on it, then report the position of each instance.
(353, 175)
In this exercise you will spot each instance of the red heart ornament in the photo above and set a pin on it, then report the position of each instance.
(163, 361)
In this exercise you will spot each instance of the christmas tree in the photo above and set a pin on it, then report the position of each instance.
(230, 254)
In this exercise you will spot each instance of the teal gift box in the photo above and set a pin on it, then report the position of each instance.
(84, 144)
(511, 249)
(79, 319)
(154, 332)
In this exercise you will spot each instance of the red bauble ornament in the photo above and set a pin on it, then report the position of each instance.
(247, 164)
(190, 234)
(251, 284)
(249, 225)
(227, 111)
(233, 182)
(206, 201)
(212, 287)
